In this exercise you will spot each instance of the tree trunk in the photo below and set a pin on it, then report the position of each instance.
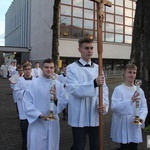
(140, 52)
(55, 28)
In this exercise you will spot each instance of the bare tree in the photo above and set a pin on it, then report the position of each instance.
(140, 52)
(55, 28)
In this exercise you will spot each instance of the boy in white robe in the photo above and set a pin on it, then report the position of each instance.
(83, 107)
(13, 79)
(36, 72)
(44, 134)
(123, 106)
(12, 68)
(4, 71)
(18, 93)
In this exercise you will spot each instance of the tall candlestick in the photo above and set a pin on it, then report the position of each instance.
(137, 102)
(137, 119)
(51, 114)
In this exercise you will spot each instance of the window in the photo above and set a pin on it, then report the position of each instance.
(65, 10)
(77, 3)
(88, 24)
(109, 27)
(66, 2)
(77, 12)
(119, 38)
(79, 18)
(118, 19)
(119, 2)
(119, 29)
(77, 22)
(109, 18)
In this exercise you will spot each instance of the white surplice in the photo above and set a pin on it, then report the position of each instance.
(122, 129)
(83, 97)
(43, 135)
(61, 78)
(36, 72)
(19, 89)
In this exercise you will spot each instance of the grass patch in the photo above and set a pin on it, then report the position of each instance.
(147, 128)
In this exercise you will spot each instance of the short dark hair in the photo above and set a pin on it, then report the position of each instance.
(26, 65)
(48, 60)
(84, 40)
(19, 67)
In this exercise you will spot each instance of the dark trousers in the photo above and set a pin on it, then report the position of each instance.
(24, 128)
(129, 146)
(79, 138)
(64, 113)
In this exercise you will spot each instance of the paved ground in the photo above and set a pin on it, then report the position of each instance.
(10, 136)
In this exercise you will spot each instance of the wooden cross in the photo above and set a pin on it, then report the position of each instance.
(100, 18)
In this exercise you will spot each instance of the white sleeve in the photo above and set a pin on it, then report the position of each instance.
(31, 111)
(76, 87)
(18, 92)
(118, 105)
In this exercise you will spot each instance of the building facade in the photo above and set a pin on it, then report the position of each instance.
(28, 23)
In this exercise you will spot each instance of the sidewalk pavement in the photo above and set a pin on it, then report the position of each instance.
(10, 135)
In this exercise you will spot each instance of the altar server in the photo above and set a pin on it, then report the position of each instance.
(36, 72)
(44, 134)
(83, 107)
(123, 106)
(18, 92)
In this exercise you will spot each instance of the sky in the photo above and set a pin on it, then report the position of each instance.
(4, 5)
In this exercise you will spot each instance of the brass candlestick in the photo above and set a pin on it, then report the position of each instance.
(51, 113)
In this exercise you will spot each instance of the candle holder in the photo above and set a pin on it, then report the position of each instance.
(137, 120)
(51, 113)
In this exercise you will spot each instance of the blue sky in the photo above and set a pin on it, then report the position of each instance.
(4, 5)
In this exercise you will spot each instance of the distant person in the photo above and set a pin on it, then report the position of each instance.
(12, 68)
(4, 71)
(19, 90)
(44, 134)
(13, 80)
(36, 72)
(82, 87)
(19, 73)
(123, 106)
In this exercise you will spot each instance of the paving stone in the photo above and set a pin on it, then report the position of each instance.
(10, 135)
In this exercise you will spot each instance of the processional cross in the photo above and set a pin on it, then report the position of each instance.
(100, 17)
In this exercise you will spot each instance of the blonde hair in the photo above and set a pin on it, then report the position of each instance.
(130, 66)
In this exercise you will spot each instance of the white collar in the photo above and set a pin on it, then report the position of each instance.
(84, 62)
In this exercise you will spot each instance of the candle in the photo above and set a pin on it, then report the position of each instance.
(138, 87)
(52, 94)
(137, 102)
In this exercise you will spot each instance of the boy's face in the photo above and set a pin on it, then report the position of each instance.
(64, 70)
(20, 71)
(37, 65)
(27, 71)
(48, 70)
(130, 75)
(86, 50)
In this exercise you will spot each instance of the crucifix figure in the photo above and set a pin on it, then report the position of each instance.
(100, 4)
(100, 18)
